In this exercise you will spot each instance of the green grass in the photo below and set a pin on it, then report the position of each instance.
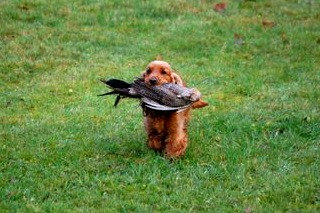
(254, 149)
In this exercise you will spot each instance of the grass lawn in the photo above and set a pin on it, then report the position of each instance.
(254, 149)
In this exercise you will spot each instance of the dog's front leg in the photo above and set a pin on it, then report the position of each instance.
(177, 137)
(156, 134)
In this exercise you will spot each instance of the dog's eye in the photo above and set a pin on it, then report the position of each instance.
(163, 72)
(148, 71)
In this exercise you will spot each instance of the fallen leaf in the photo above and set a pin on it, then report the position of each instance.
(159, 57)
(220, 7)
(268, 23)
(238, 39)
(247, 210)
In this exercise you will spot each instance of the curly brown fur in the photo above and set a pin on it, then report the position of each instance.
(166, 130)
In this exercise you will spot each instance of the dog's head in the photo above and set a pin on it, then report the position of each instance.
(160, 72)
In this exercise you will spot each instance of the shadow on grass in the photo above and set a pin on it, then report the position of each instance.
(131, 145)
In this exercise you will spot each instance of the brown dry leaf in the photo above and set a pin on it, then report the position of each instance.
(220, 7)
(247, 210)
(268, 23)
(159, 57)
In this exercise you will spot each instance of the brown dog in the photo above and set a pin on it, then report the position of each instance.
(167, 130)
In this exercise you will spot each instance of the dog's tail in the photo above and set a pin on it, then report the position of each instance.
(199, 104)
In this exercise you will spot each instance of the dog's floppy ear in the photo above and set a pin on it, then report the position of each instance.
(143, 74)
(177, 79)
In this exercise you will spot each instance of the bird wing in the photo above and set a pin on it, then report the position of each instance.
(156, 106)
(160, 94)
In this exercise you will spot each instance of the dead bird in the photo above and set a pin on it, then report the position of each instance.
(164, 97)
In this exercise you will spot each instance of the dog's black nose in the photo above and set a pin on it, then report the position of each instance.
(153, 81)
